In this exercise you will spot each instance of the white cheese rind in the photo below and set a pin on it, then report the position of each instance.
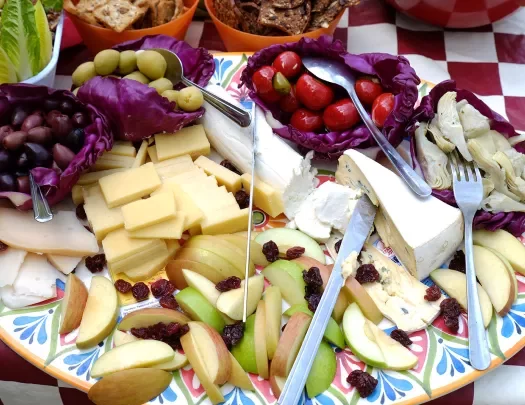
(10, 262)
(422, 232)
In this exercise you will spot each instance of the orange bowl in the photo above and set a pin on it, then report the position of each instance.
(98, 38)
(239, 41)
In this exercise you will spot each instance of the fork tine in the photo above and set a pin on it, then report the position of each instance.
(476, 170)
(453, 166)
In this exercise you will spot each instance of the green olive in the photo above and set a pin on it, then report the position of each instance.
(137, 76)
(83, 73)
(127, 63)
(171, 95)
(106, 61)
(281, 84)
(161, 85)
(190, 99)
(152, 64)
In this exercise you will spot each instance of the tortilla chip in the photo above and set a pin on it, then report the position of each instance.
(119, 15)
(291, 21)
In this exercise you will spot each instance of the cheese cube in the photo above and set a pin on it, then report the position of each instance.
(202, 184)
(191, 176)
(118, 245)
(152, 153)
(168, 172)
(102, 219)
(108, 161)
(123, 149)
(65, 264)
(122, 188)
(148, 269)
(187, 141)
(92, 177)
(175, 161)
(143, 213)
(76, 195)
(265, 197)
(227, 220)
(170, 229)
(214, 199)
(225, 177)
(142, 154)
(184, 203)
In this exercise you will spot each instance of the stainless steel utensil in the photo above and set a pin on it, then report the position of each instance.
(355, 236)
(468, 191)
(175, 73)
(41, 208)
(338, 73)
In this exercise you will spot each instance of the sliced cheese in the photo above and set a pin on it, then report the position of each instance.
(108, 161)
(214, 199)
(36, 277)
(152, 153)
(422, 232)
(93, 177)
(128, 186)
(142, 154)
(118, 245)
(64, 235)
(188, 176)
(184, 203)
(265, 197)
(184, 159)
(167, 172)
(143, 213)
(187, 141)
(225, 177)
(169, 229)
(14, 301)
(65, 264)
(151, 267)
(139, 258)
(123, 149)
(226, 220)
(201, 184)
(102, 219)
(77, 195)
(11, 260)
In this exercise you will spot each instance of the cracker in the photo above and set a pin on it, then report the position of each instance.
(291, 21)
(287, 3)
(179, 9)
(119, 15)
(318, 6)
(85, 9)
(227, 12)
(323, 19)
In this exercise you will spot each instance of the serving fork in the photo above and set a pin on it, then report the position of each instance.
(468, 191)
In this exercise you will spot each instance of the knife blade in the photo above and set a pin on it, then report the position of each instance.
(354, 238)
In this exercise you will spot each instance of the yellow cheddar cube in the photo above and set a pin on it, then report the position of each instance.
(119, 246)
(122, 188)
(184, 204)
(175, 161)
(152, 153)
(225, 177)
(77, 194)
(227, 220)
(187, 141)
(102, 219)
(109, 161)
(144, 213)
(142, 154)
(169, 229)
(92, 177)
(123, 149)
(264, 196)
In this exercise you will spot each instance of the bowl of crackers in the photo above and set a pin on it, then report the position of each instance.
(105, 23)
(251, 25)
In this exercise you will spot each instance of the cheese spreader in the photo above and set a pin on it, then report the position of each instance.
(356, 234)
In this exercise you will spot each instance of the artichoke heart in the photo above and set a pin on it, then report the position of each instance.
(450, 125)
(433, 161)
(498, 202)
(488, 186)
(518, 161)
(515, 184)
(517, 139)
(439, 139)
(500, 141)
(474, 123)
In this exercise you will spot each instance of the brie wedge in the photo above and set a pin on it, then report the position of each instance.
(422, 232)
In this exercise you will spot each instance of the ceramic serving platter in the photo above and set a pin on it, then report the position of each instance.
(443, 357)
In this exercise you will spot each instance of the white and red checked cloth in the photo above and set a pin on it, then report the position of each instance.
(489, 61)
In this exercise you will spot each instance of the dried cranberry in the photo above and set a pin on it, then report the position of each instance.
(231, 283)
(433, 293)
(141, 333)
(458, 262)
(242, 198)
(363, 382)
(173, 329)
(96, 263)
(184, 329)
(450, 309)
(294, 252)
(169, 301)
(3, 246)
(140, 291)
(312, 277)
(162, 287)
(313, 301)
(122, 286)
(337, 245)
(169, 334)
(228, 165)
(367, 273)
(232, 334)
(81, 213)
(452, 322)
(401, 336)
(271, 251)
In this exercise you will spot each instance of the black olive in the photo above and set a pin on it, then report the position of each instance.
(7, 182)
(38, 155)
(75, 140)
(67, 107)
(23, 161)
(51, 104)
(5, 160)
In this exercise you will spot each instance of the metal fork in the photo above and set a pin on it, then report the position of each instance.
(468, 191)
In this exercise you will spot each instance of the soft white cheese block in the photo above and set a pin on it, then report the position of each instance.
(422, 232)
(36, 277)
(307, 222)
(10, 262)
(277, 163)
(15, 301)
(334, 204)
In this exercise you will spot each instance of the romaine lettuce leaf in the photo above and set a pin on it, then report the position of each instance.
(7, 70)
(19, 37)
(44, 33)
(54, 5)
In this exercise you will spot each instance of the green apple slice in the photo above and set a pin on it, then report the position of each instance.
(322, 372)
(244, 351)
(274, 304)
(231, 303)
(198, 308)
(202, 285)
(361, 344)
(279, 273)
(332, 333)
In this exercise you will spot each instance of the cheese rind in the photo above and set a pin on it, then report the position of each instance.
(169, 229)
(142, 154)
(102, 219)
(224, 176)
(187, 141)
(125, 187)
(143, 213)
(422, 232)
(264, 196)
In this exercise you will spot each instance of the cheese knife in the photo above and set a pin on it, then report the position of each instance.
(356, 234)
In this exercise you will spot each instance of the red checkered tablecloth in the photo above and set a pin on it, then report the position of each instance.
(489, 60)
